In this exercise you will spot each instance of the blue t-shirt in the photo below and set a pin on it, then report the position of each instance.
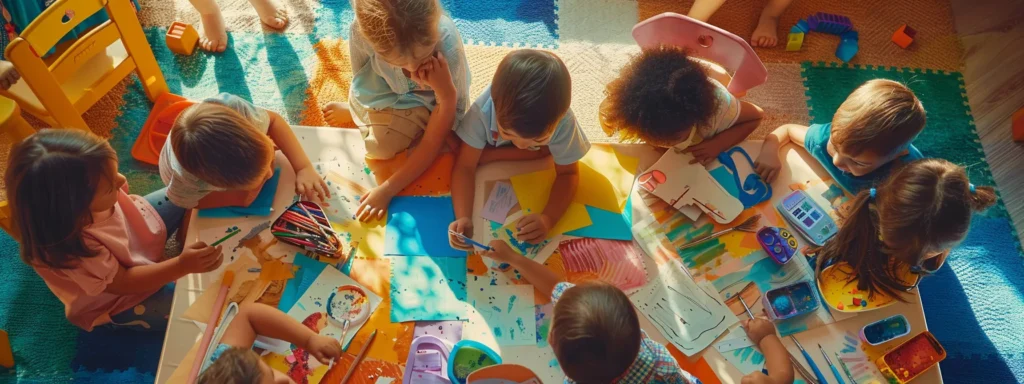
(479, 128)
(816, 143)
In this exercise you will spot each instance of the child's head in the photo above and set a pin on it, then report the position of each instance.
(56, 179)
(241, 366)
(403, 32)
(531, 93)
(658, 98)
(874, 125)
(917, 216)
(221, 147)
(595, 333)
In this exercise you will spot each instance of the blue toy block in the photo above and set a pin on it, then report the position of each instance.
(846, 50)
(800, 27)
(850, 35)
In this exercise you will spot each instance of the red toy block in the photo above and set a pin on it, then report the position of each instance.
(1018, 125)
(904, 36)
(181, 38)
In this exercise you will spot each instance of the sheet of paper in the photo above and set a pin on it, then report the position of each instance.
(261, 206)
(747, 360)
(428, 288)
(501, 199)
(502, 315)
(418, 226)
(675, 180)
(449, 331)
(308, 270)
(612, 261)
(341, 207)
(687, 315)
(608, 224)
(507, 233)
(737, 339)
(606, 174)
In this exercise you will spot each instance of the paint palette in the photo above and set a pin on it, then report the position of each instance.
(912, 358)
(808, 217)
(838, 287)
(884, 330)
(790, 301)
(468, 356)
(778, 243)
(305, 225)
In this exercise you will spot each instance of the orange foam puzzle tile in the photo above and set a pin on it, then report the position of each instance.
(700, 368)
(435, 181)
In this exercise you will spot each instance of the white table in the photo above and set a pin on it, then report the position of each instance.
(322, 144)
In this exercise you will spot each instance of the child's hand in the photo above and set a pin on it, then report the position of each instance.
(310, 186)
(768, 165)
(464, 226)
(199, 257)
(707, 150)
(500, 251)
(374, 204)
(756, 378)
(8, 75)
(436, 74)
(533, 228)
(324, 348)
(758, 328)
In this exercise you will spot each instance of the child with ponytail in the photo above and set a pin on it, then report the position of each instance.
(909, 222)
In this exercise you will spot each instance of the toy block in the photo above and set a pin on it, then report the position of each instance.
(796, 40)
(181, 38)
(850, 35)
(6, 355)
(829, 23)
(846, 50)
(800, 27)
(904, 36)
(1018, 125)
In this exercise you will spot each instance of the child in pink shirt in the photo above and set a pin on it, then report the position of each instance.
(99, 249)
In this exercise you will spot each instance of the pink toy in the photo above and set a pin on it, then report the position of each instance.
(706, 41)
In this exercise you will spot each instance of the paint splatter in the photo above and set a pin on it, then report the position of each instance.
(522, 326)
(511, 302)
(497, 331)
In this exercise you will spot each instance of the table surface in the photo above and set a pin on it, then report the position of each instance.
(322, 144)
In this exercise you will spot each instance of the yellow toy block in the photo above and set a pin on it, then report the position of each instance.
(796, 40)
(181, 38)
(6, 355)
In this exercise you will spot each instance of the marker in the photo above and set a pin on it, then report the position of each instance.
(470, 241)
(216, 243)
(835, 372)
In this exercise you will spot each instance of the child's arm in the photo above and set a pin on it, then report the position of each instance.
(708, 150)
(259, 319)
(463, 182)
(533, 228)
(768, 162)
(195, 258)
(511, 153)
(437, 75)
(762, 333)
(536, 273)
(308, 183)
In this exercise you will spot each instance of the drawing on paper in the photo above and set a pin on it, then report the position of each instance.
(615, 262)
(688, 184)
(502, 315)
(426, 288)
(507, 233)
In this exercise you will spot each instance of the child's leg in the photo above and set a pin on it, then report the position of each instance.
(215, 33)
(338, 114)
(766, 33)
(170, 214)
(703, 9)
(271, 14)
(392, 131)
(149, 315)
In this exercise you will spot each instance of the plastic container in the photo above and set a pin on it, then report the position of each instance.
(910, 359)
(778, 243)
(790, 301)
(885, 330)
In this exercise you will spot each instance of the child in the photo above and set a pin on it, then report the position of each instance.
(99, 249)
(215, 33)
(765, 35)
(664, 97)
(221, 144)
(761, 332)
(410, 84)
(525, 109)
(909, 222)
(234, 361)
(8, 75)
(595, 332)
(869, 134)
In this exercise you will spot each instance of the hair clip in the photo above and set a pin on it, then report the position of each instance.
(971, 186)
(873, 192)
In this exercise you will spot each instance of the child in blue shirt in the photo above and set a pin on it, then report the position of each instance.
(869, 135)
(523, 115)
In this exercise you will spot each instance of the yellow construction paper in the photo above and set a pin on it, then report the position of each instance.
(276, 270)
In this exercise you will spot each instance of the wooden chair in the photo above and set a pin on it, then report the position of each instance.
(60, 87)
(13, 125)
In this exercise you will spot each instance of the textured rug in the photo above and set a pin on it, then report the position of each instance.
(970, 305)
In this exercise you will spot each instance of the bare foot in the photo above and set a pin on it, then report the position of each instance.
(215, 34)
(766, 33)
(270, 14)
(337, 114)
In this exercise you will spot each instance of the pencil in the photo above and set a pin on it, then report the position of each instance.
(225, 238)
(359, 357)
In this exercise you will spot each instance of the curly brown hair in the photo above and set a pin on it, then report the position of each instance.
(658, 97)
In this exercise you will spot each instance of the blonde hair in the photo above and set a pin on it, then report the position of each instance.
(220, 146)
(400, 25)
(881, 116)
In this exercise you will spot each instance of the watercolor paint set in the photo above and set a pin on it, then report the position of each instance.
(885, 330)
(305, 225)
(912, 358)
(790, 301)
(809, 218)
(778, 243)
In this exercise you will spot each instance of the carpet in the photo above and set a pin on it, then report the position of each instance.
(970, 304)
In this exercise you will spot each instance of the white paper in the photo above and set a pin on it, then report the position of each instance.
(681, 184)
(501, 200)
(315, 300)
(501, 315)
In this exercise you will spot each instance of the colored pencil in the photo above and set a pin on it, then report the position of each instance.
(211, 324)
(359, 357)
(292, 235)
(835, 372)
(225, 238)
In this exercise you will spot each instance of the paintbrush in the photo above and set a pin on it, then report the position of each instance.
(810, 361)
(225, 238)
(469, 241)
(359, 357)
(845, 368)
(749, 225)
(792, 360)
(835, 372)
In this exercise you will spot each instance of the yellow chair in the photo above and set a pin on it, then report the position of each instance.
(59, 88)
(12, 124)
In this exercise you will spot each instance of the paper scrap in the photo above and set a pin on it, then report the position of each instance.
(502, 198)
(427, 288)
(673, 179)
(418, 226)
(608, 224)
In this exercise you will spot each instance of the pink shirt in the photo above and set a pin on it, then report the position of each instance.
(133, 235)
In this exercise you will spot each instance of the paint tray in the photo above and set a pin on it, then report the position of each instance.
(882, 331)
(468, 356)
(912, 358)
(304, 224)
(790, 301)
(838, 287)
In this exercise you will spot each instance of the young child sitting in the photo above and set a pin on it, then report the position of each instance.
(595, 332)
(869, 134)
(908, 223)
(664, 97)
(410, 83)
(234, 361)
(524, 114)
(222, 144)
(99, 249)
(762, 333)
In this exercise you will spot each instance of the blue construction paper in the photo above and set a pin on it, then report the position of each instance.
(607, 224)
(259, 207)
(418, 226)
(724, 178)
(308, 271)
(748, 188)
(425, 288)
